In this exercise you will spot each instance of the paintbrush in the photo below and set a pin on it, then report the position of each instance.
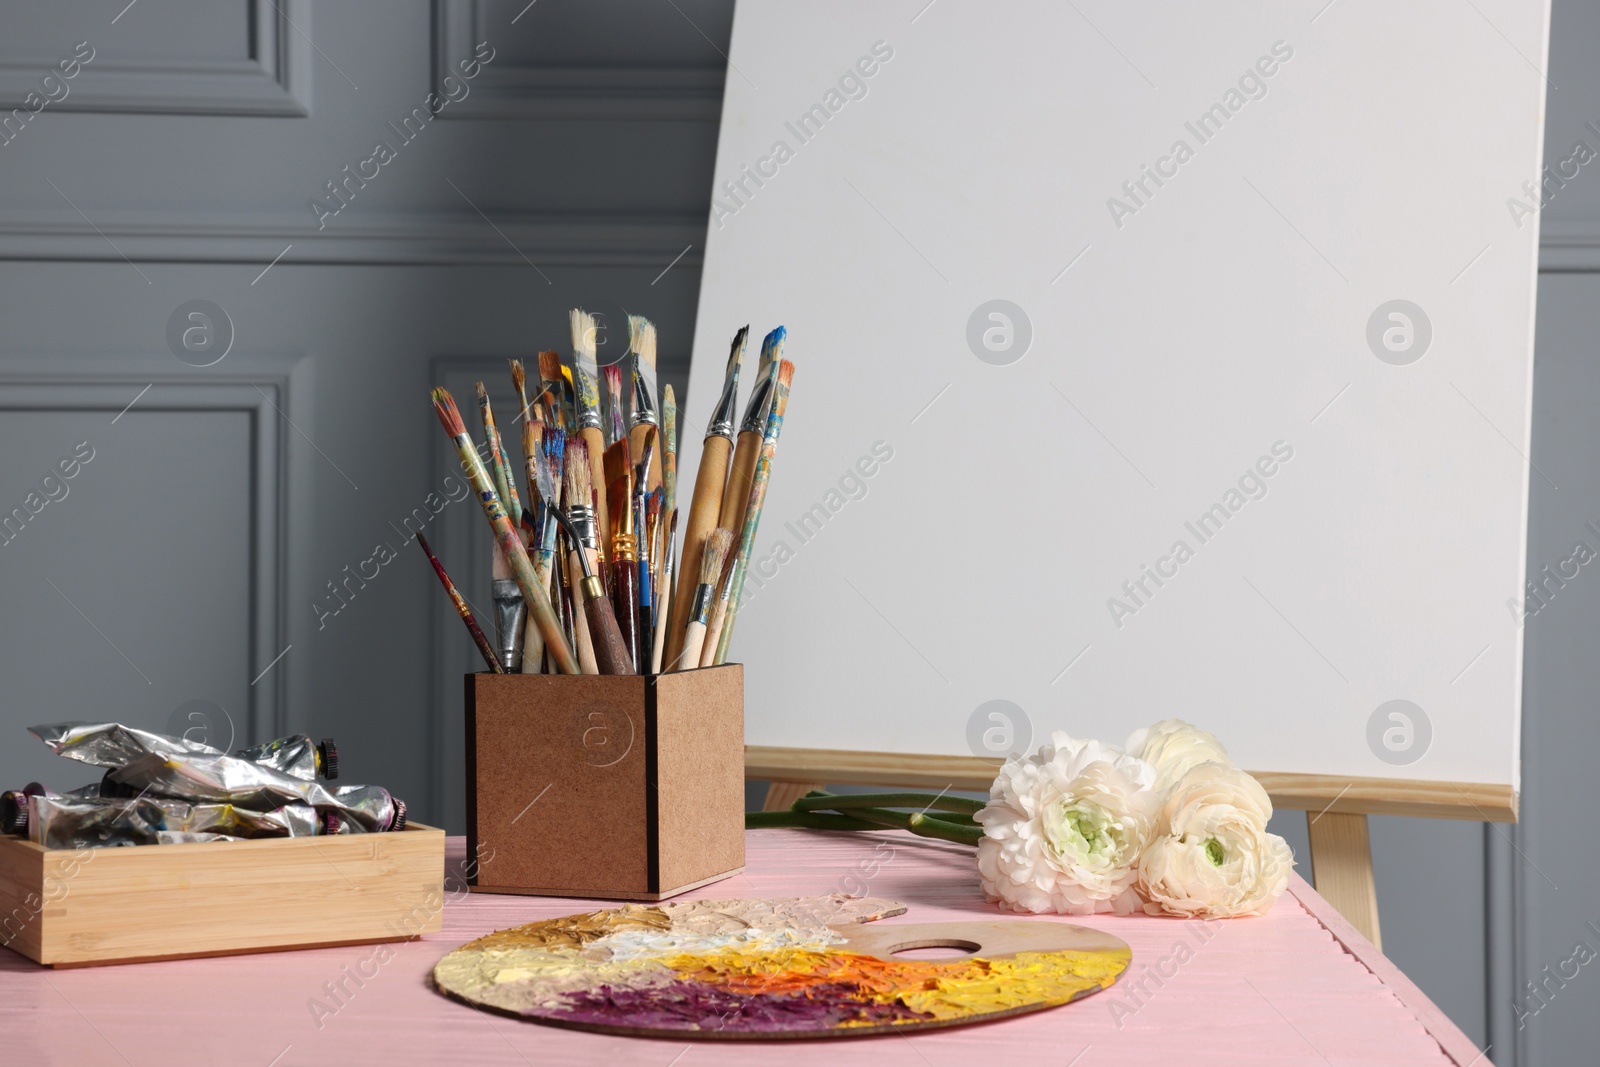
(505, 533)
(606, 648)
(587, 411)
(642, 343)
(549, 471)
(650, 586)
(551, 376)
(669, 507)
(707, 502)
(664, 594)
(736, 495)
(462, 607)
(640, 511)
(519, 382)
(616, 425)
(624, 573)
(582, 540)
(510, 611)
(532, 661)
(711, 560)
(758, 499)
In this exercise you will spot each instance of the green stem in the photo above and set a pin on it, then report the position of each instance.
(900, 820)
(925, 826)
(925, 801)
(956, 817)
(758, 820)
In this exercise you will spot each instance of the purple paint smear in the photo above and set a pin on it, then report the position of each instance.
(692, 1005)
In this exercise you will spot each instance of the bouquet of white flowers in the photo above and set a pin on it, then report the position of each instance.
(1168, 826)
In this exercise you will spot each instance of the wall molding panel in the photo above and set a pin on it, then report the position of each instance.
(587, 93)
(274, 81)
(386, 239)
(259, 387)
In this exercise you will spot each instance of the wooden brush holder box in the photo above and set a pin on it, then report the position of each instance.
(626, 788)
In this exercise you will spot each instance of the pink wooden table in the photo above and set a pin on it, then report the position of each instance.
(1299, 986)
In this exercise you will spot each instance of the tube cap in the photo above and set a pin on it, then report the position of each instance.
(14, 812)
(330, 822)
(399, 820)
(328, 756)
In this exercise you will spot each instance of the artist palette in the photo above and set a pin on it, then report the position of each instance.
(798, 967)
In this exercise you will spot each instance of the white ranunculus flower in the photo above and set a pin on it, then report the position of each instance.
(1064, 828)
(1211, 857)
(1173, 746)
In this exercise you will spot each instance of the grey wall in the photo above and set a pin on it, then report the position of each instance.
(191, 551)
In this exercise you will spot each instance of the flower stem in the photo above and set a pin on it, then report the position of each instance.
(814, 820)
(926, 826)
(925, 801)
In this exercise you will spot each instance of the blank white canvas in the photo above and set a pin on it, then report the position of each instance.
(1180, 332)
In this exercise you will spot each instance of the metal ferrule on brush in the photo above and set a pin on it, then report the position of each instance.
(644, 401)
(623, 548)
(700, 611)
(721, 424)
(510, 617)
(755, 414)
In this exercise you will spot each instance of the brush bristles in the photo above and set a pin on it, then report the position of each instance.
(549, 366)
(771, 349)
(445, 405)
(785, 374)
(716, 555)
(579, 479)
(582, 333)
(519, 382)
(642, 339)
(614, 383)
(736, 352)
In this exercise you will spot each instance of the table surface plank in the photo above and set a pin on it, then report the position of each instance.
(1296, 987)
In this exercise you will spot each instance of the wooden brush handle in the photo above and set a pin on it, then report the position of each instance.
(703, 513)
(588, 662)
(736, 494)
(625, 605)
(636, 438)
(610, 650)
(708, 654)
(596, 443)
(662, 595)
(694, 639)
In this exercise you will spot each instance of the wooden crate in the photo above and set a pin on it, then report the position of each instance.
(71, 907)
(627, 788)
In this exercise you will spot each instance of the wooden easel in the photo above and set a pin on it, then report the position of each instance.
(1336, 808)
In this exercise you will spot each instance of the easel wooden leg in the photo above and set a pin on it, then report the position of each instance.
(782, 794)
(1341, 867)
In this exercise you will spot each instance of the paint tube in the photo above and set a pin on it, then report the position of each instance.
(228, 780)
(296, 755)
(56, 821)
(113, 745)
